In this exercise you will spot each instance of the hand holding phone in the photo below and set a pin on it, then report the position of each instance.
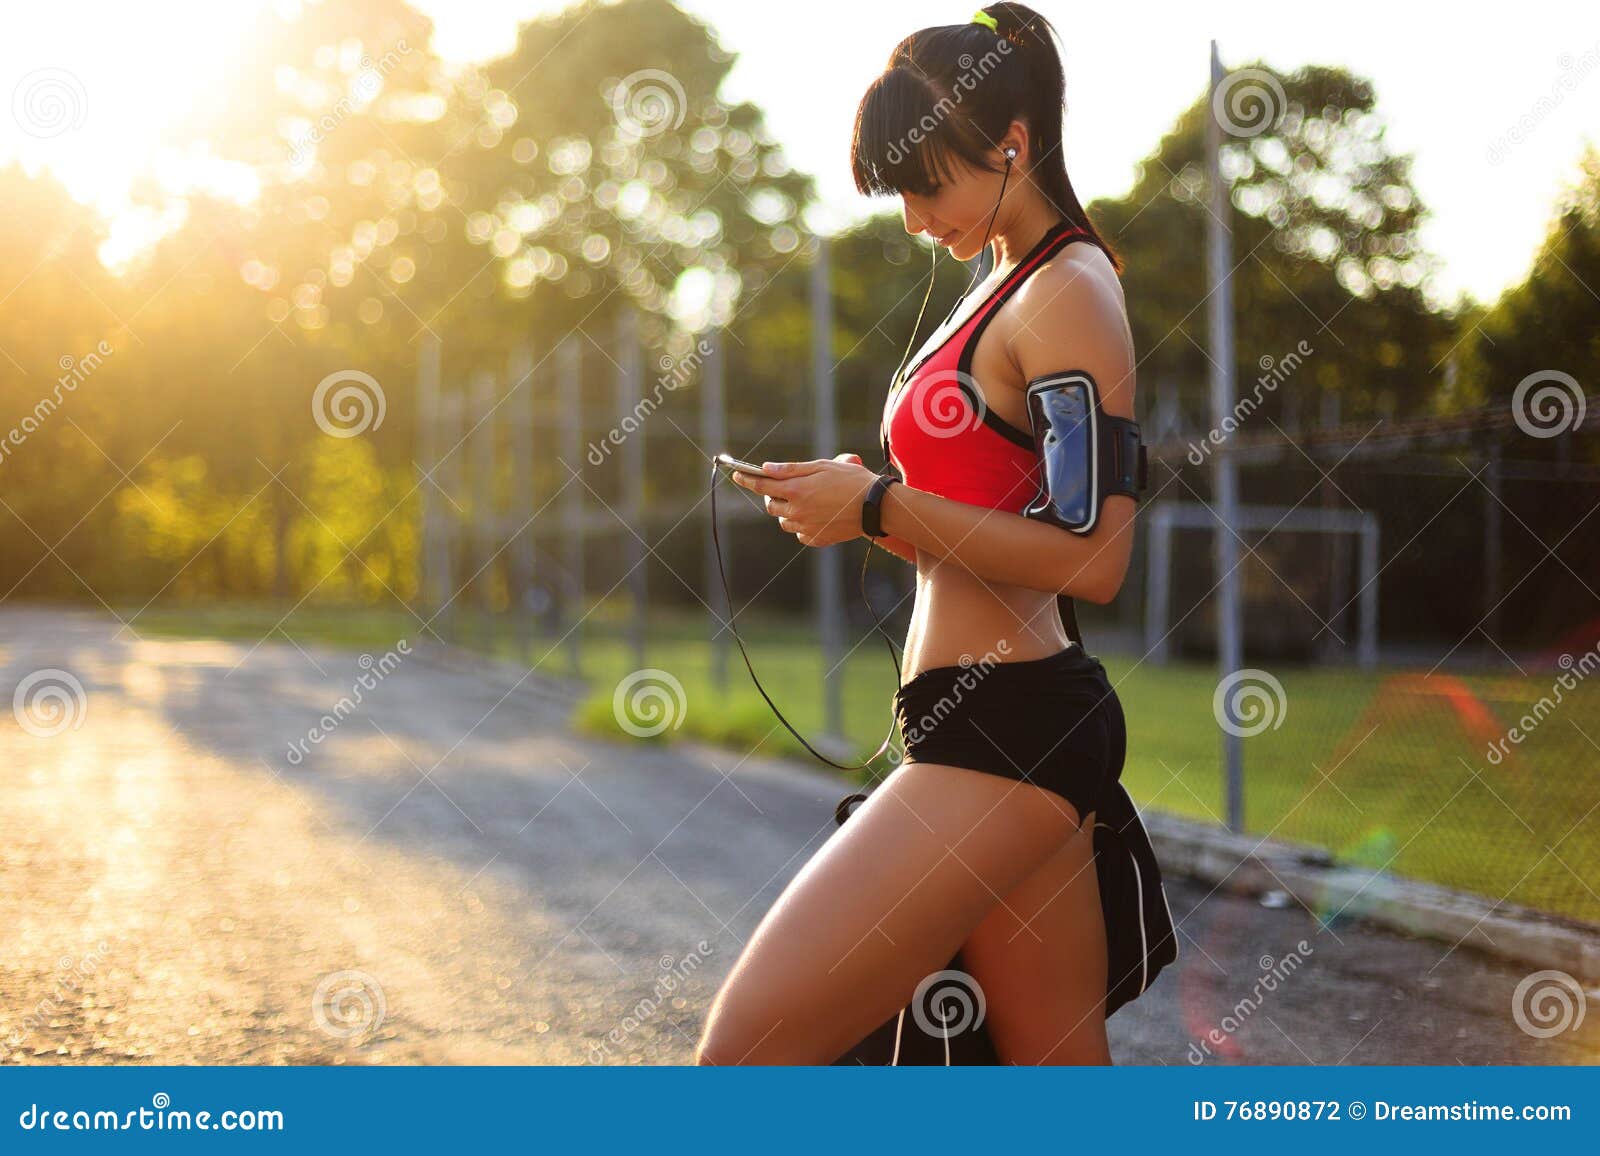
(728, 464)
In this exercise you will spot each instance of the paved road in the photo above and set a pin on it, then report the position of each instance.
(450, 876)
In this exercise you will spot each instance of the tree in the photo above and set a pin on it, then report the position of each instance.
(599, 161)
(1551, 321)
(1325, 247)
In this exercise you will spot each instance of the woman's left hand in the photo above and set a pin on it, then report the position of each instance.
(818, 501)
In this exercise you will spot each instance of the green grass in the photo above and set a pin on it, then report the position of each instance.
(1386, 769)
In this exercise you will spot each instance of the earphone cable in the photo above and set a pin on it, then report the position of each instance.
(895, 654)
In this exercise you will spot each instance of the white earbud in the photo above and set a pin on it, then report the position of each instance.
(1011, 154)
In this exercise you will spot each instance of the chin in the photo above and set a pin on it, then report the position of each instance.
(964, 249)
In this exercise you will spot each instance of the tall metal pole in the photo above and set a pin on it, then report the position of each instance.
(483, 534)
(1219, 279)
(523, 444)
(825, 441)
(432, 577)
(630, 391)
(714, 435)
(569, 381)
(1493, 540)
(447, 475)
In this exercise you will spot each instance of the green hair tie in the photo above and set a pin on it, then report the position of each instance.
(981, 17)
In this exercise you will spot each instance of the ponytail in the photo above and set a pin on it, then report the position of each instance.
(952, 91)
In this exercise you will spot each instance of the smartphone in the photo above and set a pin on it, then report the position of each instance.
(1061, 412)
(729, 463)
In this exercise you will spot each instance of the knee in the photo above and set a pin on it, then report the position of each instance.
(727, 1043)
(732, 1039)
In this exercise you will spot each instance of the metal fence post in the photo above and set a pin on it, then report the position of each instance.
(524, 503)
(569, 377)
(1219, 277)
(481, 506)
(825, 441)
(431, 563)
(714, 436)
(1158, 600)
(629, 395)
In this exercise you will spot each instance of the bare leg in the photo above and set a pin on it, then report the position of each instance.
(884, 903)
(1040, 960)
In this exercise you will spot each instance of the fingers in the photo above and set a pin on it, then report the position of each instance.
(797, 469)
(786, 492)
(766, 487)
(783, 471)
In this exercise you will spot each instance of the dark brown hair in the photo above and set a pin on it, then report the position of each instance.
(953, 90)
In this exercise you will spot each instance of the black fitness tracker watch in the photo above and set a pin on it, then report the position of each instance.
(872, 508)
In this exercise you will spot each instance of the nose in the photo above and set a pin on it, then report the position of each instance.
(915, 222)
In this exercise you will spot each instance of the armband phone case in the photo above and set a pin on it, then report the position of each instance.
(1084, 454)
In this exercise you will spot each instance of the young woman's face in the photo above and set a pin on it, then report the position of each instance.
(956, 213)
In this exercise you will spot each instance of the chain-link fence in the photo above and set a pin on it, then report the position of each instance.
(1420, 610)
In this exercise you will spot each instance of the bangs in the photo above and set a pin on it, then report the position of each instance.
(908, 139)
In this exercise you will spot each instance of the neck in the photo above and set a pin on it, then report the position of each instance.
(1029, 221)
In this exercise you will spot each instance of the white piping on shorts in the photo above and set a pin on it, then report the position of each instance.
(1138, 885)
(1170, 920)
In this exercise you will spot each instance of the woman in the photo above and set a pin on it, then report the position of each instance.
(981, 841)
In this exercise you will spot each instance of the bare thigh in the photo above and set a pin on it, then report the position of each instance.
(1040, 961)
(885, 902)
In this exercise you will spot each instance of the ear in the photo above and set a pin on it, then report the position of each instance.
(1016, 137)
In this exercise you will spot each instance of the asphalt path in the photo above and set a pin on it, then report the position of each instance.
(198, 870)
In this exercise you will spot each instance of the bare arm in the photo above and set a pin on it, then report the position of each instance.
(1069, 315)
(897, 546)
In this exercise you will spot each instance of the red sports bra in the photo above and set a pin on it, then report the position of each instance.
(938, 434)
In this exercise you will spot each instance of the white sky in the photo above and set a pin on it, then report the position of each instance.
(1452, 79)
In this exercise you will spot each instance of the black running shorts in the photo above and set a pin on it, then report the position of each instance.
(1055, 722)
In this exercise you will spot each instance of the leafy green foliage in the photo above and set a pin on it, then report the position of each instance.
(1325, 250)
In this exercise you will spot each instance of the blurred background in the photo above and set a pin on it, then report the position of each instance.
(339, 323)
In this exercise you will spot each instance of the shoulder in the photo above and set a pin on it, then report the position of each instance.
(1069, 314)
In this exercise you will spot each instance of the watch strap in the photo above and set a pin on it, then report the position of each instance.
(872, 506)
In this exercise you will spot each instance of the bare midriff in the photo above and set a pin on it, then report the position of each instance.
(959, 618)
